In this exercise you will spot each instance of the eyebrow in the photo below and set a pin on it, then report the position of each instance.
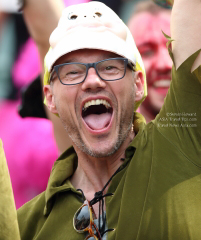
(102, 57)
(70, 60)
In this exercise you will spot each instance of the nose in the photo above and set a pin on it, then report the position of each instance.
(93, 81)
(163, 61)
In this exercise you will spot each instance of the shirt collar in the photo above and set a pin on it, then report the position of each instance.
(62, 170)
(66, 164)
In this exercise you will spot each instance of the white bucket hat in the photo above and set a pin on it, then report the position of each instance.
(92, 25)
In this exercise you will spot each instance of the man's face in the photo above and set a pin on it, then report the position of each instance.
(146, 29)
(96, 114)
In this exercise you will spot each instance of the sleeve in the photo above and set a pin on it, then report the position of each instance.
(179, 120)
(8, 216)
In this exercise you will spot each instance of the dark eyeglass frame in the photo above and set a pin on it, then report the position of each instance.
(91, 224)
(92, 65)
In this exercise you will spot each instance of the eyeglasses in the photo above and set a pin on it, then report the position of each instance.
(84, 221)
(111, 69)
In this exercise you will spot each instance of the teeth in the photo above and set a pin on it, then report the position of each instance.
(162, 83)
(96, 102)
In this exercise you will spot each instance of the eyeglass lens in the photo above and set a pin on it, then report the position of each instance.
(111, 69)
(82, 218)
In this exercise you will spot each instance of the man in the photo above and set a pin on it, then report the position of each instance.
(119, 181)
(152, 46)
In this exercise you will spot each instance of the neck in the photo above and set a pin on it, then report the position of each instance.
(93, 173)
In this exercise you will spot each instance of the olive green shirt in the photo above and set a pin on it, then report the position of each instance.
(9, 229)
(157, 194)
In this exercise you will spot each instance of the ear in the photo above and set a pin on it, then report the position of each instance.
(139, 86)
(48, 92)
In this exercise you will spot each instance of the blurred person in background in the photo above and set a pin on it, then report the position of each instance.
(151, 43)
(29, 143)
(34, 142)
(13, 34)
(115, 5)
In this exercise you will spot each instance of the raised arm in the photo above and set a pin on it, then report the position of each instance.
(179, 118)
(41, 17)
(185, 30)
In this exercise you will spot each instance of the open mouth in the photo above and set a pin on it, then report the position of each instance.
(97, 114)
(163, 83)
(161, 86)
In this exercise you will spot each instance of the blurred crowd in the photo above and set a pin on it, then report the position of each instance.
(26, 131)
(29, 144)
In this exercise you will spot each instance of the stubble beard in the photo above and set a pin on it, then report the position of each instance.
(123, 132)
(124, 129)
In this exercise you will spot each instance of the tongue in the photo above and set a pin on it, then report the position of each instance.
(98, 121)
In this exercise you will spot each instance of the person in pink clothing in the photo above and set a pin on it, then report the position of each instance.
(29, 142)
(30, 151)
(151, 43)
